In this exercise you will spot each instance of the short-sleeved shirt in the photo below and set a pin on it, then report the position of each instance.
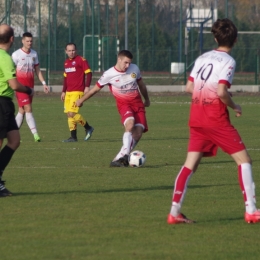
(74, 73)
(7, 72)
(210, 69)
(123, 85)
(25, 66)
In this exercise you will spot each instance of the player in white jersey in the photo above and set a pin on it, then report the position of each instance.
(26, 61)
(209, 122)
(126, 84)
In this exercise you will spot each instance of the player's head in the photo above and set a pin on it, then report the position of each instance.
(124, 59)
(71, 50)
(27, 40)
(225, 32)
(6, 35)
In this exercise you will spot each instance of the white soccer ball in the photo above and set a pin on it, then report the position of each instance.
(137, 159)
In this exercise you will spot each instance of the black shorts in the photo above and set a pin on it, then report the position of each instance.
(7, 117)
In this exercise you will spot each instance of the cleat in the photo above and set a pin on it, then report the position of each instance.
(36, 138)
(4, 192)
(121, 162)
(117, 164)
(70, 140)
(88, 133)
(253, 218)
(180, 219)
(124, 160)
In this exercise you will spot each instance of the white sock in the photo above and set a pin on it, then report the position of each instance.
(19, 119)
(247, 186)
(126, 148)
(175, 209)
(31, 122)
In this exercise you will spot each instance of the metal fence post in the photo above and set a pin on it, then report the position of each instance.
(257, 67)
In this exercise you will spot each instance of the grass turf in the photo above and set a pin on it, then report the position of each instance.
(68, 203)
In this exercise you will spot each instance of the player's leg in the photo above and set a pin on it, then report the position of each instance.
(137, 133)
(31, 122)
(9, 130)
(88, 129)
(19, 117)
(79, 119)
(74, 117)
(199, 146)
(180, 188)
(247, 185)
(72, 124)
(121, 159)
(229, 140)
(140, 125)
(21, 99)
(69, 107)
(6, 154)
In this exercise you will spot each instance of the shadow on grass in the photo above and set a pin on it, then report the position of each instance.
(222, 219)
(169, 187)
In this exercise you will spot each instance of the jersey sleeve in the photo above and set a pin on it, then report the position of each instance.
(8, 68)
(104, 80)
(227, 73)
(15, 58)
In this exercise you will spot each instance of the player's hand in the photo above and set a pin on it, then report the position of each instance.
(32, 92)
(46, 89)
(62, 97)
(238, 110)
(79, 103)
(147, 103)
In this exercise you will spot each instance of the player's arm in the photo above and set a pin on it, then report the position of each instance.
(64, 88)
(189, 87)
(16, 86)
(38, 72)
(226, 98)
(88, 95)
(88, 78)
(144, 92)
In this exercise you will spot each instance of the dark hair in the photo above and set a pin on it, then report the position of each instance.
(5, 35)
(27, 34)
(71, 43)
(125, 53)
(225, 32)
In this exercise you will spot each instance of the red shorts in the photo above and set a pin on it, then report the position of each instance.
(135, 112)
(23, 99)
(207, 140)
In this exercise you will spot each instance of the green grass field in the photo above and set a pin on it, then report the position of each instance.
(68, 203)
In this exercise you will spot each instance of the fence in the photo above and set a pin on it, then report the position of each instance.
(156, 37)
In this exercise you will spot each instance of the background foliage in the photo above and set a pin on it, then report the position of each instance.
(155, 34)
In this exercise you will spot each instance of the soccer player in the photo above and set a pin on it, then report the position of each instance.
(125, 81)
(209, 122)
(26, 61)
(8, 84)
(77, 80)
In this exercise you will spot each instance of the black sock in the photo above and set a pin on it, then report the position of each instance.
(87, 126)
(5, 157)
(73, 134)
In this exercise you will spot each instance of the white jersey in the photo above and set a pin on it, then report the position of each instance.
(210, 69)
(25, 66)
(123, 84)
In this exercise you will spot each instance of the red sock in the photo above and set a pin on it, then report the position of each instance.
(181, 183)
